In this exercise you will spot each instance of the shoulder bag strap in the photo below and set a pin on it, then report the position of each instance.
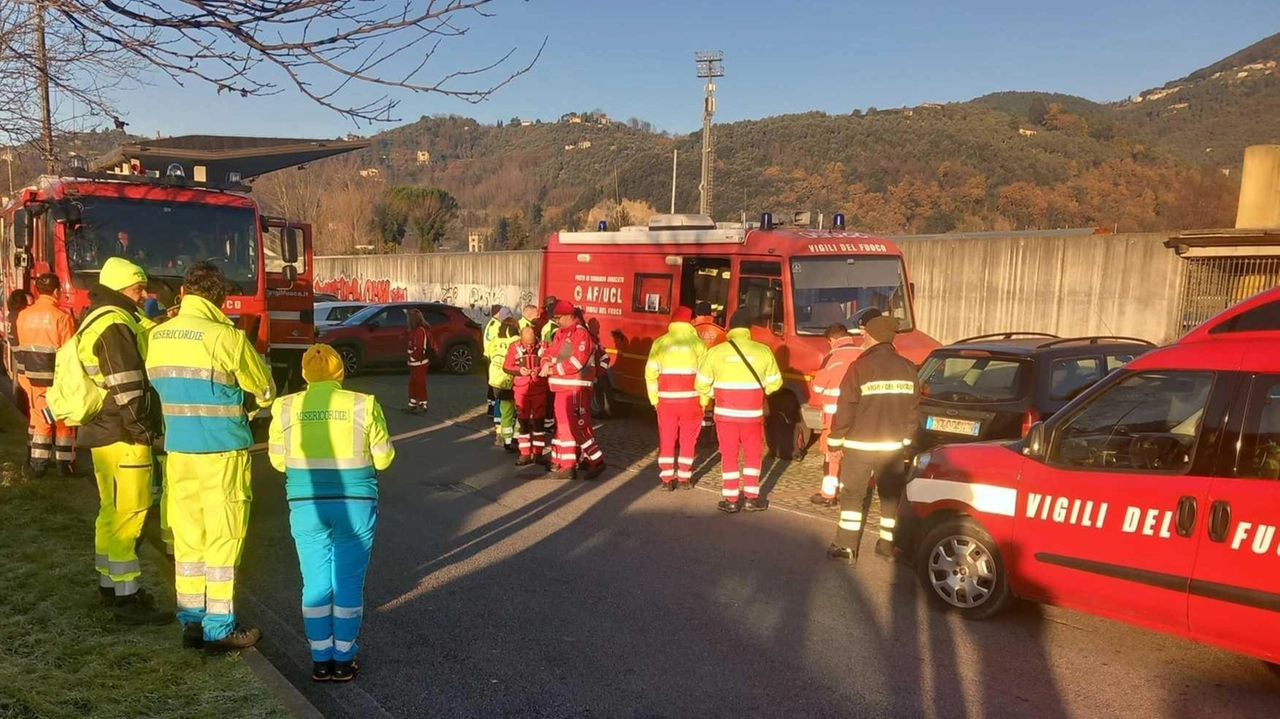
(747, 362)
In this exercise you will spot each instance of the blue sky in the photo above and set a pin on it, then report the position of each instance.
(635, 58)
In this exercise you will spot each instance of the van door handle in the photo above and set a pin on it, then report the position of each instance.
(1186, 516)
(1219, 520)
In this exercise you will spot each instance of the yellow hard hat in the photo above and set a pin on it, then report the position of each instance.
(119, 273)
(320, 363)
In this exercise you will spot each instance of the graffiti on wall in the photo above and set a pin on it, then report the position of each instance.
(362, 290)
(474, 300)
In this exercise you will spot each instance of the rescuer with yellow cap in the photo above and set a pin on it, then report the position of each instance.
(331, 443)
(112, 345)
(209, 377)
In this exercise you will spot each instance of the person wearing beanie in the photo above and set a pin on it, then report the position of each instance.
(530, 390)
(739, 374)
(569, 366)
(211, 380)
(669, 376)
(712, 334)
(331, 443)
(874, 422)
(112, 344)
(501, 382)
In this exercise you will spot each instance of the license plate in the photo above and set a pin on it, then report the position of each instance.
(953, 426)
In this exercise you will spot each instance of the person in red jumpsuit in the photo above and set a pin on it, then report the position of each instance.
(569, 366)
(524, 362)
(419, 344)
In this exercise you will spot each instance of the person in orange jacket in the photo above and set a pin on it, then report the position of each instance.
(711, 333)
(42, 328)
(824, 394)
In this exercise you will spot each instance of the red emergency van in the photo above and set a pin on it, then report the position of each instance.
(796, 281)
(1154, 498)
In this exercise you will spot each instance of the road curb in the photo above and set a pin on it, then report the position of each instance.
(289, 695)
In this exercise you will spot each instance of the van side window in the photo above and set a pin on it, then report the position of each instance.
(1259, 319)
(1072, 376)
(762, 297)
(652, 294)
(1147, 422)
(1259, 456)
(1115, 362)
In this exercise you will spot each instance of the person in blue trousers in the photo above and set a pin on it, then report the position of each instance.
(331, 443)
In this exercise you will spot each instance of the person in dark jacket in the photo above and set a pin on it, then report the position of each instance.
(112, 347)
(875, 421)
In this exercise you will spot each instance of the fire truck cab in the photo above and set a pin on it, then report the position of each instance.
(794, 281)
(165, 205)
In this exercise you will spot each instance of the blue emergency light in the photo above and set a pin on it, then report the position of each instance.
(837, 221)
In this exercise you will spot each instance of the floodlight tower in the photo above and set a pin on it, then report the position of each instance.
(710, 66)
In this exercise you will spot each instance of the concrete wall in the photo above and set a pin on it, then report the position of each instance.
(1124, 284)
(473, 281)
(1068, 285)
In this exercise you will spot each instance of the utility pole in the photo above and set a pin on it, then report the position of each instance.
(46, 109)
(710, 66)
(675, 154)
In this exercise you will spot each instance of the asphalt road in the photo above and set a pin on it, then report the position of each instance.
(494, 593)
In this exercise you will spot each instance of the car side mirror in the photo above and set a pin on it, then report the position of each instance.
(23, 229)
(289, 246)
(1035, 443)
(290, 274)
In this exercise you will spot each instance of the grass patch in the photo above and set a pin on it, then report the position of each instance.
(61, 655)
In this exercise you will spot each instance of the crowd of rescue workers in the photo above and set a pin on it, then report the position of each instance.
(163, 400)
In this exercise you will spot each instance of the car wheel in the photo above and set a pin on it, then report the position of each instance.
(351, 361)
(960, 567)
(460, 359)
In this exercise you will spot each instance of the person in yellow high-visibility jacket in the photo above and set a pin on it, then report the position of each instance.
(208, 375)
(501, 383)
(331, 443)
(112, 345)
(669, 377)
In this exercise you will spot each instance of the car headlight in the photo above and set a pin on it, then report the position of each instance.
(921, 462)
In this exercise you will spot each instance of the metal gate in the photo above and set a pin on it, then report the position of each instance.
(1212, 284)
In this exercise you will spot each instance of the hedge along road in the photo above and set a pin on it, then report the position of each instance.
(494, 593)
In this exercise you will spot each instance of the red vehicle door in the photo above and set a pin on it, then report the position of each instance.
(760, 292)
(1107, 520)
(388, 338)
(1235, 588)
(290, 302)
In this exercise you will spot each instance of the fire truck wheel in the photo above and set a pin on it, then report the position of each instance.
(351, 360)
(960, 567)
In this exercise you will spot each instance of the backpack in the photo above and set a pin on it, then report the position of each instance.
(74, 398)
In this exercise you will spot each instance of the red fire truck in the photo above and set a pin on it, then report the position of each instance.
(795, 280)
(165, 205)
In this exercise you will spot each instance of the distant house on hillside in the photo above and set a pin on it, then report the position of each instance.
(372, 173)
(526, 123)
(424, 157)
(584, 144)
(932, 105)
(569, 147)
(476, 240)
(1026, 132)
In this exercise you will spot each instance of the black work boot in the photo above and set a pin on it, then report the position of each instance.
(755, 504)
(668, 486)
(322, 671)
(685, 484)
(31, 471)
(66, 470)
(564, 473)
(138, 610)
(524, 460)
(727, 507)
(594, 472)
(884, 549)
(107, 596)
(346, 671)
(239, 638)
(823, 501)
(192, 636)
(844, 555)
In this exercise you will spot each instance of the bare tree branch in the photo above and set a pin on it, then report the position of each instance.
(319, 47)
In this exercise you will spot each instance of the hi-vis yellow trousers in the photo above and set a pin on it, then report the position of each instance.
(208, 510)
(123, 472)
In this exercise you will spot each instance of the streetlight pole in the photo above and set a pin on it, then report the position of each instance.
(710, 66)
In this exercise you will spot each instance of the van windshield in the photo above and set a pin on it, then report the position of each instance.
(827, 290)
(165, 238)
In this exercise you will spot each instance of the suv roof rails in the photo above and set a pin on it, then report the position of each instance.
(1098, 339)
(1006, 336)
